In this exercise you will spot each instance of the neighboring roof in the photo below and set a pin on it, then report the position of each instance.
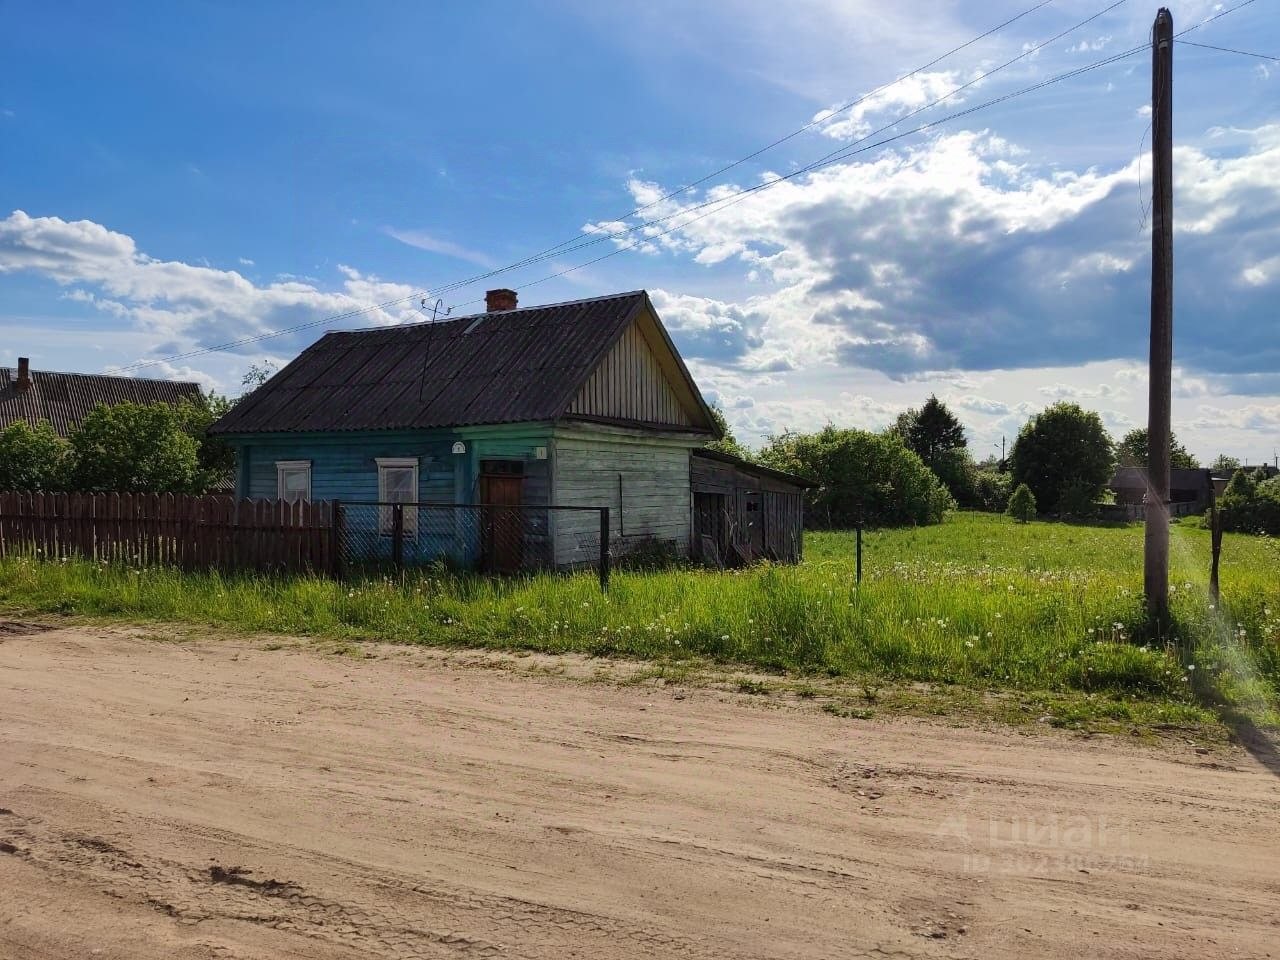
(511, 366)
(64, 399)
(747, 466)
(1180, 478)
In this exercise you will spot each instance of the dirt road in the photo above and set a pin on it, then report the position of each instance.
(218, 798)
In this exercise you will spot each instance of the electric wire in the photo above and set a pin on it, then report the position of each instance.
(720, 203)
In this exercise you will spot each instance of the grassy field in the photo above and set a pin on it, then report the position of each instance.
(978, 602)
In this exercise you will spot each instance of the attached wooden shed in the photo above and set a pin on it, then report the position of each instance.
(743, 511)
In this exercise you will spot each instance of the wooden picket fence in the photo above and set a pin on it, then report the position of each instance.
(190, 532)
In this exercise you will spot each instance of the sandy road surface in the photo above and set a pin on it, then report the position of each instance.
(213, 798)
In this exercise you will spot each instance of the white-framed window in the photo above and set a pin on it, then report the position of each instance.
(293, 480)
(398, 483)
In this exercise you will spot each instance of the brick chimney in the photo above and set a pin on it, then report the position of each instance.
(24, 375)
(496, 301)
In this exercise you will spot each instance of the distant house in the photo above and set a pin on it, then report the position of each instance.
(1191, 487)
(65, 399)
(585, 403)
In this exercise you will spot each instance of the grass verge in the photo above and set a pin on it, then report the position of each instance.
(977, 604)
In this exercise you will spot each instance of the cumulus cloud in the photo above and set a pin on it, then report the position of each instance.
(964, 254)
(905, 96)
(1254, 416)
(178, 304)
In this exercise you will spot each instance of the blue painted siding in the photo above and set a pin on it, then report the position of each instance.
(344, 467)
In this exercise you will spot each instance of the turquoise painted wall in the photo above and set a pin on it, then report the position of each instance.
(344, 465)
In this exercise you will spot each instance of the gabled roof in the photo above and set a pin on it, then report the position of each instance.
(64, 399)
(512, 366)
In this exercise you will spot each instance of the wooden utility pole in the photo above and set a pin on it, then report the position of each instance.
(1156, 555)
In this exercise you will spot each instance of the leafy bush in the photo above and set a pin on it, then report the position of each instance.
(32, 458)
(1077, 503)
(991, 490)
(1251, 506)
(863, 478)
(1063, 452)
(1022, 505)
(133, 447)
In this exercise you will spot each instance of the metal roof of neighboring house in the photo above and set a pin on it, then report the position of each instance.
(64, 399)
(508, 366)
(1180, 478)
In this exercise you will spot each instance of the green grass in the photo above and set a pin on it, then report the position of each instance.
(979, 602)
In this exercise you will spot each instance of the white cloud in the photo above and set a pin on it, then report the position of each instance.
(422, 240)
(1090, 46)
(178, 304)
(1064, 391)
(896, 100)
(1254, 416)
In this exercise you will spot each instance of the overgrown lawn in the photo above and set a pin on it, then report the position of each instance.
(979, 601)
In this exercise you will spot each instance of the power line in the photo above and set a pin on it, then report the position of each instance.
(1243, 53)
(830, 159)
(568, 246)
(722, 202)
(580, 244)
(719, 204)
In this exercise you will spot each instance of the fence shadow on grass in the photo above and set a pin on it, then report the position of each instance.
(1262, 743)
(1263, 746)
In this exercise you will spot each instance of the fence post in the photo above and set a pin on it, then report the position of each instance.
(1215, 539)
(859, 535)
(397, 536)
(335, 541)
(604, 549)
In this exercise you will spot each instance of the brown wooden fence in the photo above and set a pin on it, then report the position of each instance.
(191, 532)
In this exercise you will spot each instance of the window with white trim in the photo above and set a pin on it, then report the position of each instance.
(293, 480)
(398, 483)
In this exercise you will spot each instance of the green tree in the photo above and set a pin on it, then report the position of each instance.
(32, 458)
(990, 490)
(1224, 465)
(863, 478)
(256, 376)
(1022, 504)
(1132, 451)
(1251, 504)
(932, 431)
(133, 447)
(1063, 454)
(215, 458)
(727, 443)
(937, 438)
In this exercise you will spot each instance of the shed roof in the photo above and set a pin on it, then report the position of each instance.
(750, 468)
(510, 366)
(64, 399)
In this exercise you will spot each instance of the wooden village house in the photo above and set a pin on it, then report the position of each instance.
(579, 404)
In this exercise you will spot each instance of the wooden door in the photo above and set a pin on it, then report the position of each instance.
(503, 523)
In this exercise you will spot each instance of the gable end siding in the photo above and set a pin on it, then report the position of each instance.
(630, 384)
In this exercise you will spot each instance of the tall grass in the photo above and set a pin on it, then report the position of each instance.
(978, 601)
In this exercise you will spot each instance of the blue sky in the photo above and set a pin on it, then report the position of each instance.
(174, 177)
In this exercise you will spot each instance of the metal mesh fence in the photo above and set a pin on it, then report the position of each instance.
(488, 538)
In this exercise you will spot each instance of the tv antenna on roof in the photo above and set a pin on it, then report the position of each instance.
(435, 308)
(426, 353)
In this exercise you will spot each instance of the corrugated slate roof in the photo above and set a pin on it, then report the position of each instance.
(1180, 478)
(65, 398)
(508, 367)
